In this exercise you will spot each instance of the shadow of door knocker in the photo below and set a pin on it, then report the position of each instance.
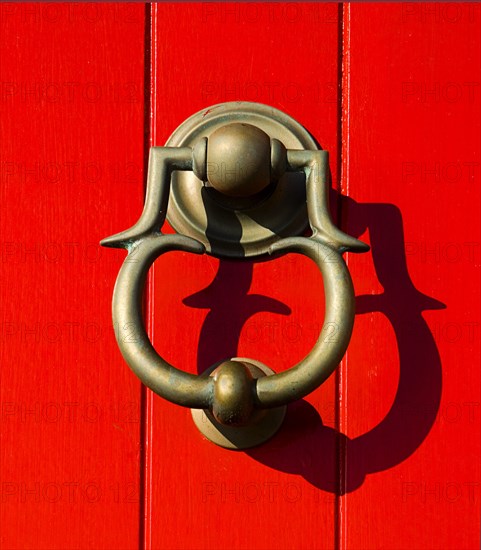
(233, 181)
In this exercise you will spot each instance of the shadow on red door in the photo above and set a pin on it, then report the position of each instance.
(400, 432)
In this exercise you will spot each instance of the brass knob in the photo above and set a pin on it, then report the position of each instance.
(242, 150)
(239, 160)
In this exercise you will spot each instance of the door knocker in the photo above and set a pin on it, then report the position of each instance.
(233, 181)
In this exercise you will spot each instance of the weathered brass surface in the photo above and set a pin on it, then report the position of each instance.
(239, 160)
(244, 225)
(260, 427)
(244, 406)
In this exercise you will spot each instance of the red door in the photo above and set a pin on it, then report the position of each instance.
(386, 453)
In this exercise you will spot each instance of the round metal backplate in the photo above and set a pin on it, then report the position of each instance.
(243, 437)
(234, 231)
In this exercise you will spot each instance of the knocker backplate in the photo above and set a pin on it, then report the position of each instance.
(242, 228)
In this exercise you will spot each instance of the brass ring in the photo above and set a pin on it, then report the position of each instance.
(318, 365)
(198, 392)
(165, 380)
(243, 399)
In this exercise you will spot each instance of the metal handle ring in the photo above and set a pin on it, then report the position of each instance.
(237, 403)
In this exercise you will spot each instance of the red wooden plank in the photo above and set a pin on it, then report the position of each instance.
(282, 494)
(410, 406)
(71, 168)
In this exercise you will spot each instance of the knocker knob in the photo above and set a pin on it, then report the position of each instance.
(241, 160)
(233, 402)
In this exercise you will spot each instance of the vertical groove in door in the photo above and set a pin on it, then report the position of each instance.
(146, 395)
(338, 218)
(342, 187)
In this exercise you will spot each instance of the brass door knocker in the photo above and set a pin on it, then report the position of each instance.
(233, 181)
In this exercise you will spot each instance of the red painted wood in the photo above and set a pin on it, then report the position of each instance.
(386, 453)
(410, 392)
(71, 169)
(281, 495)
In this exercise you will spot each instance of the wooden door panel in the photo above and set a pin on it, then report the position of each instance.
(71, 166)
(204, 310)
(410, 383)
(386, 453)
